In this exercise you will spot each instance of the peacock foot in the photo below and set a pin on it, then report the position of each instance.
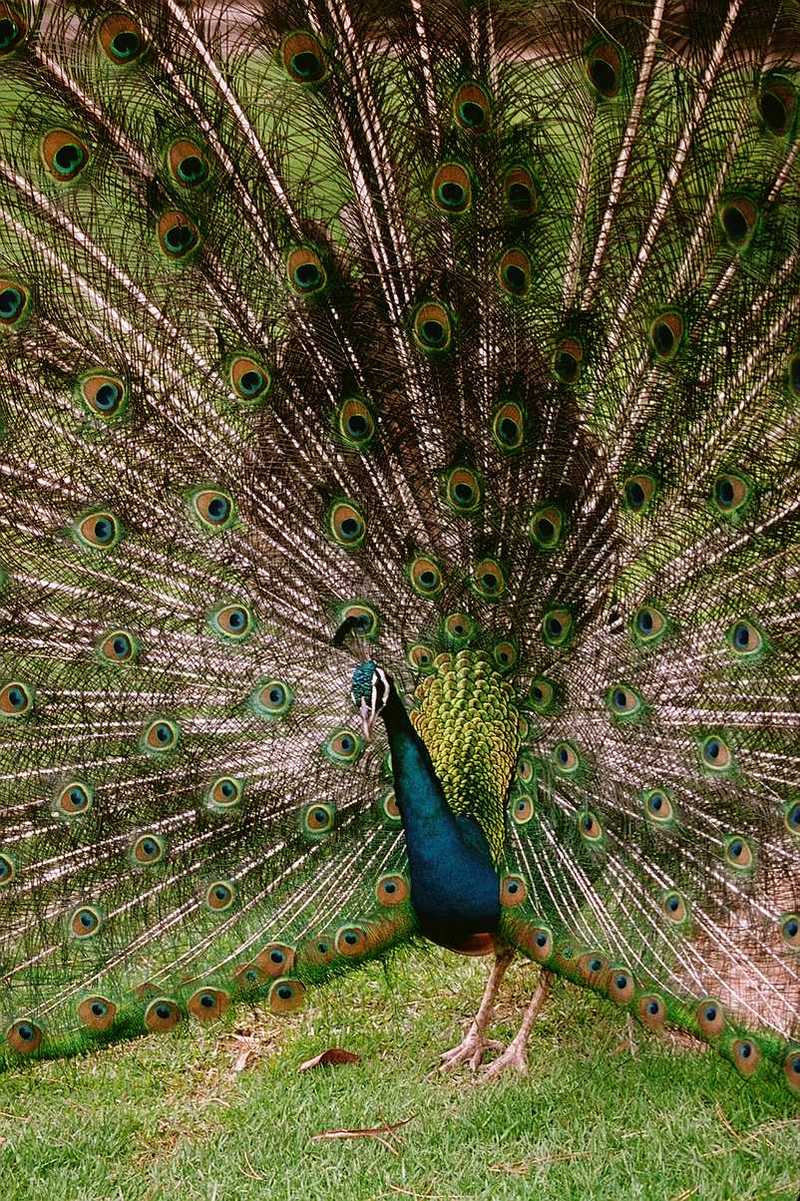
(513, 1059)
(470, 1051)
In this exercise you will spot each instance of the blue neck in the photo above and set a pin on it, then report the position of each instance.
(454, 887)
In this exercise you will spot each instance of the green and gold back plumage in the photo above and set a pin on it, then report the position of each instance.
(476, 322)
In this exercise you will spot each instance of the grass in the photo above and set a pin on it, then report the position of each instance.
(225, 1115)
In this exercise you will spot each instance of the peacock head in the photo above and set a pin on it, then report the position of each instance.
(370, 689)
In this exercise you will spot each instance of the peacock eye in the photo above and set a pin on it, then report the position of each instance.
(738, 217)
(565, 759)
(16, 304)
(208, 1004)
(514, 272)
(649, 625)
(303, 58)
(505, 655)
(624, 702)
(715, 754)
(791, 817)
(306, 272)
(425, 575)
(520, 191)
(790, 929)
(160, 736)
(451, 189)
(522, 810)
(272, 699)
(513, 891)
(72, 800)
(64, 154)
(458, 628)
(388, 809)
(231, 623)
(392, 889)
(710, 1017)
(120, 39)
(220, 895)
(658, 807)
(286, 995)
(731, 493)
(162, 1014)
(542, 695)
(541, 943)
(557, 627)
(16, 699)
(275, 959)
(639, 490)
(420, 656)
(346, 524)
(603, 68)
(567, 360)
(432, 327)
(652, 1011)
(508, 427)
(589, 827)
(351, 941)
(744, 639)
(148, 849)
(526, 770)
(674, 907)
(249, 378)
(98, 1013)
(97, 529)
(666, 335)
(13, 29)
(739, 853)
(224, 794)
(178, 236)
(187, 163)
(343, 747)
(791, 1069)
(746, 1056)
(118, 646)
(366, 617)
(621, 986)
(102, 394)
(85, 921)
(777, 103)
(355, 423)
(472, 108)
(24, 1036)
(488, 580)
(8, 868)
(546, 527)
(212, 509)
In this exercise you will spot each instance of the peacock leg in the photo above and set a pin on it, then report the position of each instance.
(515, 1055)
(474, 1046)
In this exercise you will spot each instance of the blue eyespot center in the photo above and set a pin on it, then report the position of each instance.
(724, 492)
(472, 113)
(106, 397)
(11, 302)
(218, 508)
(125, 44)
(635, 494)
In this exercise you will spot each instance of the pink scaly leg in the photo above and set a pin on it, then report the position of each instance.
(474, 1046)
(515, 1056)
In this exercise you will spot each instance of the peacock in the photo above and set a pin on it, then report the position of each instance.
(399, 540)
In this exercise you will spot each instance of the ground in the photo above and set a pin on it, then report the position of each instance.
(226, 1116)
